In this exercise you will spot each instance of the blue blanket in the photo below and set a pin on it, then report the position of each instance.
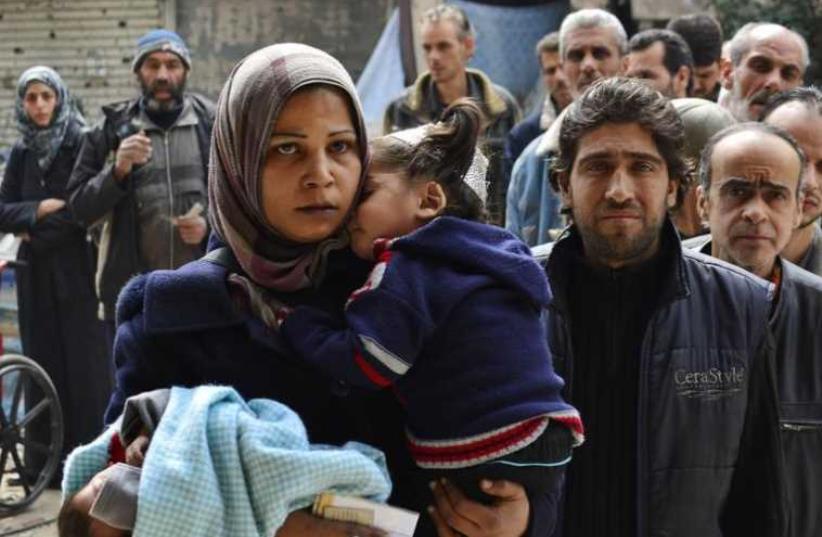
(220, 466)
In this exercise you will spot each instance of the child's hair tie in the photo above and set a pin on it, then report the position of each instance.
(474, 177)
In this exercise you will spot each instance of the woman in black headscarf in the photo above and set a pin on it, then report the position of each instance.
(55, 289)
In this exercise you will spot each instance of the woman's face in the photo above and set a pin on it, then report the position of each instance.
(312, 169)
(39, 102)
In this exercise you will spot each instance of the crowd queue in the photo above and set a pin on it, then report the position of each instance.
(600, 320)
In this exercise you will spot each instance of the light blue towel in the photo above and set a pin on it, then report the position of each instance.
(220, 466)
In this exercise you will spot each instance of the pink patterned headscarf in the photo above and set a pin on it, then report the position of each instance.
(249, 104)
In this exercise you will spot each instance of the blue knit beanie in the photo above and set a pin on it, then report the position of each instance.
(160, 41)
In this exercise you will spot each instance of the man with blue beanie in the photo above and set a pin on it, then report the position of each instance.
(141, 173)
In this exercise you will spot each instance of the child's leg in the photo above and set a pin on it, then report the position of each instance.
(539, 467)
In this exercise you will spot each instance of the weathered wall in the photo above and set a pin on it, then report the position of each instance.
(91, 42)
(220, 32)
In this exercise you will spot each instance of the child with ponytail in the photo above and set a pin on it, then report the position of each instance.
(450, 317)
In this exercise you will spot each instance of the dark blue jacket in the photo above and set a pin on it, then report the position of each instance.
(451, 317)
(797, 326)
(181, 328)
(518, 139)
(796, 323)
(709, 460)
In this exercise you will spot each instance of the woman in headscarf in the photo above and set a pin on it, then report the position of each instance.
(288, 159)
(55, 289)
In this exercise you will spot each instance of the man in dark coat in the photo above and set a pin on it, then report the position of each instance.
(663, 60)
(766, 58)
(141, 174)
(666, 353)
(703, 34)
(749, 192)
(557, 97)
(799, 112)
(448, 43)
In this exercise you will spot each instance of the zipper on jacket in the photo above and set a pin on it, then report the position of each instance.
(171, 226)
(801, 426)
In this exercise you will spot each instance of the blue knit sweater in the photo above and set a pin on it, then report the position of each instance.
(450, 316)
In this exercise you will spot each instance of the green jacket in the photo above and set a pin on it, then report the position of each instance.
(419, 104)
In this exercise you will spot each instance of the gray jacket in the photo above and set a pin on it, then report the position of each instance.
(796, 323)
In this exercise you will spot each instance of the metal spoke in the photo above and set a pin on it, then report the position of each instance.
(17, 396)
(43, 449)
(4, 458)
(21, 471)
(4, 422)
(34, 412)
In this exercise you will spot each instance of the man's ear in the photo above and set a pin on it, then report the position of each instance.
(799, 208)
(563, 182)
(703, 205)
(670, 196)
(432, 200)
(623, 65)
(470, 44)
(726, 70)
(681, 78)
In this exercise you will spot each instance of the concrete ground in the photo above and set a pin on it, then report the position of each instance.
(39, 520)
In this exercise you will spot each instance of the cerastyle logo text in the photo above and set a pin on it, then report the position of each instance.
(713, 383)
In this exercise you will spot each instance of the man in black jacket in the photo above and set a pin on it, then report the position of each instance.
(750, 178)
(666, 353)
(141, 174)
(799, 112)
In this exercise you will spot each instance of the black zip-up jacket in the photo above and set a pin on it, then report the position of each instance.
(796, 323)
(94, 193)
(709, 458)
(797, 326)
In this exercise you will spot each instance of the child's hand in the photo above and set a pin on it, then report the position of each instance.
(136, 450)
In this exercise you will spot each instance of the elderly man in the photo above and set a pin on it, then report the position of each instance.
(750, 177)
(704, 37)
(448, 43)
(141, 174)
(661, 59)
(557, 97)
(766, 58)
(666, 353)
(799, 112)
(592, 43)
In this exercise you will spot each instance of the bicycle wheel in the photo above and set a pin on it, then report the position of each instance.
(29, 402)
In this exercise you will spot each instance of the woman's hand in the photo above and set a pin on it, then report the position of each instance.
(303, 524)
(48, 206)
(454, 514)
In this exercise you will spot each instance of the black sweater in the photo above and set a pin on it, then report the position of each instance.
(610, 310)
